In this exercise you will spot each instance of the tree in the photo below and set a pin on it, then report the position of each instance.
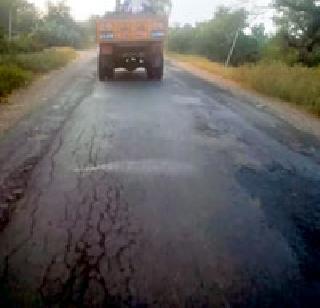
(88, 28)
(27, 17)
(58, 28)
(181, 39)
(59, 12)
(33, 32)
(24, 16)
(6, 12)
(214, 38)
(275, 50)
(299, 22)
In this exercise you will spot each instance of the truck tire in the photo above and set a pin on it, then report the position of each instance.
(158, 73)
(150, 72)
(110, 73)
(101, 69)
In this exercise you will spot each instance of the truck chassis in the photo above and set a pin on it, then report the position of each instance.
(131, 56)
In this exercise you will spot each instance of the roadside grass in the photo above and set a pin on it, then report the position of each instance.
(298, 85)
(204, 64)
(12, 77)
(18, 70)
(47, 60)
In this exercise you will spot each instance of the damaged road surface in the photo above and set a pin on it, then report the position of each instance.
(134, 193)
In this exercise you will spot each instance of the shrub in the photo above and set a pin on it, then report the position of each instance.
(17, 70)
(45, 61)
(12, 77)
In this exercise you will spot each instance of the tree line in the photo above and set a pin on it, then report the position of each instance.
(23, 28)
(297, 39)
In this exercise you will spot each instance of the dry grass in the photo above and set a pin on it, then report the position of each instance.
(297, 85)
(47, 60)
(203, 63)
(17, 70)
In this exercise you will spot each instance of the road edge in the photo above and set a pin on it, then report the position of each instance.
(293, 115)
(22, 150)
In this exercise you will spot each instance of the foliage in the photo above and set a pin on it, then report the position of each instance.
(58, 28)
(45, 61)
(181, 39)
(276, 50)
(12, 77)
(53, 33)
(23, 43)
(24, 16)
(214, 38)
(88, 28)
(297, 39)
(17, 70)
(33, 31)
(28, 52)
(299, 24)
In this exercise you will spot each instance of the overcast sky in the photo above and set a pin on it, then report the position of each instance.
(184, 11)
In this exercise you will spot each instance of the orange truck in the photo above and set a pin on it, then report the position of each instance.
(131, 41)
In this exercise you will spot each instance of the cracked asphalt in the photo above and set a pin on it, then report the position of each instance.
(134, 193)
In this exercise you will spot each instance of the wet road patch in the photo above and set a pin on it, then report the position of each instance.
(291, 204)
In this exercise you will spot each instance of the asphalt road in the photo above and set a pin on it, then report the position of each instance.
(175, 194)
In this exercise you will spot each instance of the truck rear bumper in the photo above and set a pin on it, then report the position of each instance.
(131, 55)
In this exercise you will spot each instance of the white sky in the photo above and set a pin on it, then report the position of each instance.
(184, 11)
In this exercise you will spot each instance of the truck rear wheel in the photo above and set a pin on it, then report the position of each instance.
(158, 72)
(101, 69)
(150, 72)
(155, 73)
(110, 73)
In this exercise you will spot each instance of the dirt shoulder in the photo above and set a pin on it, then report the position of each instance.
(31, 122)
(22, 101)
(292, 114)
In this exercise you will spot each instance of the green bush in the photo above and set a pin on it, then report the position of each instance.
(12, 77)
(17, 70)
(26, 43)
(21, 44)
(45, 61)
(276, 50)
